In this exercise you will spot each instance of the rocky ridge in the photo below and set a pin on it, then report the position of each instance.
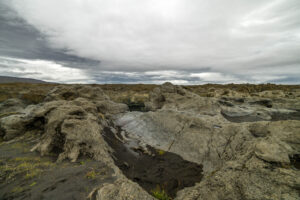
(249, 146)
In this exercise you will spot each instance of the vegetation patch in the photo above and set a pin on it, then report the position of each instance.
(91, 174)
(17, 189)
(30, 93)
(20, 146)
(26, 167)
(160, 194)
(160, 152)
(33, 184)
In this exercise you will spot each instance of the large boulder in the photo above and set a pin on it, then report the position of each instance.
(159, 95)
(171, 97)
(15, 124)
(110, 107)
(11, 126)
(72, 130)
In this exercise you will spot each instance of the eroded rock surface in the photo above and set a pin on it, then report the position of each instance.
(11, 106)
(248, 145)
(244, 158)
(122, 189)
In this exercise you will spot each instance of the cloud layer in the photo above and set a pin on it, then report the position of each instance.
(185, 41)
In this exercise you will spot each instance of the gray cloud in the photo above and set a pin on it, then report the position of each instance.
(21, 40)
(187, 42)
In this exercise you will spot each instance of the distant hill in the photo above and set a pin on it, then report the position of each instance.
(9, 79)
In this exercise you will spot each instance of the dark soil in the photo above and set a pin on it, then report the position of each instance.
(72, 181)
(57, 181)
(164, 170)
(136, 107)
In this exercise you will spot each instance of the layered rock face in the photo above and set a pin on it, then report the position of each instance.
(249, 146)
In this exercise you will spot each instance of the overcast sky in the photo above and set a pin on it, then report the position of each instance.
(151, 41)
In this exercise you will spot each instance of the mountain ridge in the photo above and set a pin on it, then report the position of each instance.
(11, 79)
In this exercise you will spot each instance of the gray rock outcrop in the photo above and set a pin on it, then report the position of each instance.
(73, 119)
(122, 189)
(249, 146)
(243, 159)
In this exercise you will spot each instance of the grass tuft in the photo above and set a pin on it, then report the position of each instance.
(91, 174)
(27, 167)
(160, 194)
(33, 184)
(160, 152)
(17, 189)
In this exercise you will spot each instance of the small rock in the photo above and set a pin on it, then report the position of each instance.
(271, 152)
(258, 130)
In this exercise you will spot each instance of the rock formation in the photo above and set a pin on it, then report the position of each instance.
(249, 146)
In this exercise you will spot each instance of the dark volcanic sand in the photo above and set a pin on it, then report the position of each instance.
(61, 181)
(164, 170)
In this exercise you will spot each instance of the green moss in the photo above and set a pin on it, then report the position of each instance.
(91, 174)
(17, 189)
(26, 167)
(33, 173)
(160, 152)
(94, 174)
(32, 184)
(160, 194)
(82, 162)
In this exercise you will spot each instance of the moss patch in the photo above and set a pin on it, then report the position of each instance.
(20, 146)
(160, 152)
(93, 174)
(25, 167)
(160, 194)
(17, 189)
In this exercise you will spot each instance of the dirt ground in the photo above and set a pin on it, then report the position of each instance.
(26, 175)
